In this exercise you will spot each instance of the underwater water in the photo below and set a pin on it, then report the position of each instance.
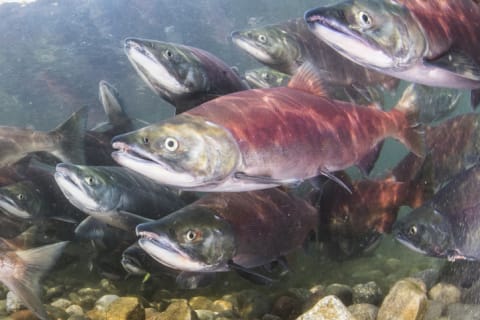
(54, 54)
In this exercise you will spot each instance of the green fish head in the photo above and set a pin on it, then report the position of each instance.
(185, 151)
(192, 239)
(21, 200)
(426, 231)
(269, 45)
(168, 68)
(87, 188)
(376, 34)
(266, 78)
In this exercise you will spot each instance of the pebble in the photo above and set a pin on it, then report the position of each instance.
(363, 311)
(74, 309)
(328, 308)
(221, 306)
(445, 293)
(406, 300)
(178, 310)
(200, 302)
(54, 292)
(205, 314)
(105, 301)
(341, 291)
(125, 308)
(61, 303)
(108, 286)
(368, 292)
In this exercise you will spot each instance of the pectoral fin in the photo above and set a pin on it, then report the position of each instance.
(250, 275)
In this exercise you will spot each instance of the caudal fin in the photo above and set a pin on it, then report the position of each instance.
(36, 262)
(71, 136)
(412, 134)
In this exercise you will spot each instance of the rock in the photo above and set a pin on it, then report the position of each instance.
(445, 293)
(96, 314)
(328, 308)
(341, 291)
(434, 310)
(369, 293)
(407, 300)
(200, 302)
(61, 303)
(77, 317)
(458, 311)
(205, 314)
(13, 303)
(221, 306)
(89, 292)
(105, 301)
(287, 307)
(363, 311)
(317, 289)
(269, 316)
(56, 313)
(54, 292)
(125, 308)
(74, 309)
(178, 310)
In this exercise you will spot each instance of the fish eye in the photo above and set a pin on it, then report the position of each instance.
(365, 19)
(412, 230)
(145, 140)
(190, 235)
(89, 180)
(266, 76)
(21, 196)
(168, 53)
(262, 38)
(171, 144)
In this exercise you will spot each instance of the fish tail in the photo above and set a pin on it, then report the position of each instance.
(412, 134)
(36, 262)
(71, 135)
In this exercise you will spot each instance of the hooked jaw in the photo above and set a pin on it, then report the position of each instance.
(329, 25)
(166, 252)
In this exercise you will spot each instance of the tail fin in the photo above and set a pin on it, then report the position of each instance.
(71, 136)
(35, 263)
(412, 135)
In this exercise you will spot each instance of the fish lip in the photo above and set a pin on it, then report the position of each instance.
(313, 19)
(134, 152)
(158, 241)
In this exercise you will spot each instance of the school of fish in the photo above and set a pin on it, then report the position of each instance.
(251, 168)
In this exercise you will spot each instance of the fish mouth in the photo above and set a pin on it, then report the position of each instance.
(73, 189)
(145, 163)
(167, 252)
(11, 209)
(251, 47)
(328, 25)
(157, 75)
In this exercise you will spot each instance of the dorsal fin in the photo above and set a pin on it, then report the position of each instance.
(307, 78)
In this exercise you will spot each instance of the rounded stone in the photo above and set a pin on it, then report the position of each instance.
(206, 314)
(328, 308)
(74, 309)
(107, 286)
(178, 310)
(125, 308)
(369, 293)
(221, 305)
(200, 302)
(54, 292)
(445, 293)
(363, 311)
(406, 300)
(105, 301)
(61, 303)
